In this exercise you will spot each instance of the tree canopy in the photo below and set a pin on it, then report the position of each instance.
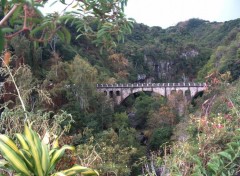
(103, 21)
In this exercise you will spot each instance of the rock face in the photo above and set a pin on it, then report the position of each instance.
(163, 69)
(160, 69)
(141, 77)
(168, 70)
(189, 54)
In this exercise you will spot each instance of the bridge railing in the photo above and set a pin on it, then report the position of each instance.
(121, 85)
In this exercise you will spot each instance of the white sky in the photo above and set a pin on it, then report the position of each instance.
(165, 13)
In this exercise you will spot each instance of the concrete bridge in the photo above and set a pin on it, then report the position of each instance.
(119, 92)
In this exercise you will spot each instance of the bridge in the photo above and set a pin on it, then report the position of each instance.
(119, 92)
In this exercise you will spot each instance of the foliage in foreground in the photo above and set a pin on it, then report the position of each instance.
(212, 147)
(35, 157)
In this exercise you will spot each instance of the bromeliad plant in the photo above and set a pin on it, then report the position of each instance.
(36, 157)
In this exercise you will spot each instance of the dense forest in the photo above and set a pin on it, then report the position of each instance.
(51, 64)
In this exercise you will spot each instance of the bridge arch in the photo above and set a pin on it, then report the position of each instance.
(138, 91)
(128, 92)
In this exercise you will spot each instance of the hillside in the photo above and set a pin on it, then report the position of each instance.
(187, 52)
(178, 53)
(54, 83)
(175, 54)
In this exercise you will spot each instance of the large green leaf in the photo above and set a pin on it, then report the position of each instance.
(13, 158)
(66, 34)
(78, 169)
(57, 156)
(45, 158)
(9, 142)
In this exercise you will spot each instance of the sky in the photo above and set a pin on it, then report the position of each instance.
(166, 13)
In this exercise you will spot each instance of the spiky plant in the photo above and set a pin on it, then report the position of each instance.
(35, 156)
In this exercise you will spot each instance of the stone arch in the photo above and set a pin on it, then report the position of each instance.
(193, 94)
(126, 93)
(199, 93)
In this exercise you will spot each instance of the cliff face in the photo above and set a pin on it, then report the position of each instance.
(171, 70)
(161, 69)
(178, 53)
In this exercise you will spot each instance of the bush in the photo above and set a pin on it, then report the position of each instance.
(160, 136)
(36, 156)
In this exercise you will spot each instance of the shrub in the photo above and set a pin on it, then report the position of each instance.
(35, 157)
(160, 136)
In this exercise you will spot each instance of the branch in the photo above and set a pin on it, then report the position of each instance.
(17, 89)
(25, 7)
(25, 28)
(8, 14)
(9, 37)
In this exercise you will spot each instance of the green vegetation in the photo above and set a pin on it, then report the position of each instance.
(35, 156)
(50, 73)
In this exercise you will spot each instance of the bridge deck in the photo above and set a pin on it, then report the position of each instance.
(151, 85)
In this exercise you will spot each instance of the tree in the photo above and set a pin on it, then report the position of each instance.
(103, 20)
(82, 77)
(109, 152)
(119, 65)
(160, 136)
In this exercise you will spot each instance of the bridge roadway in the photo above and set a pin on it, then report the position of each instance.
(119, 92)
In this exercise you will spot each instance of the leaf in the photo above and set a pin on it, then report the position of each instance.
(226, 155)
(36, 150)
(90, 173)
(1, 41)
(13, 158)
(213, 167)
(27, 158)
(79, 36)
(45, 158)
(22, 141)
(60, 35)
(63, 1)
(57, 156)
(80, 169)
(67, 35)
(6, 140)
(28, 133)
(3, 163)
(3, 4)
(15, 16)
(233, 145)
(7, 30)
(100, 33)
(53, 3)
(55, 144)
(74, 6)
(34, 142)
